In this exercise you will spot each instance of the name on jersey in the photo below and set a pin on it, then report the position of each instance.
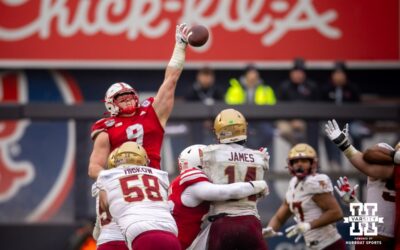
(138, 170)
(245, 157)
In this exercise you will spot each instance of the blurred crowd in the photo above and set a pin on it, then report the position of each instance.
(251, 88)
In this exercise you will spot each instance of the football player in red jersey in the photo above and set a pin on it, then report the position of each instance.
(383, 183)
(191, 192)
(130, 121)
(310, 199)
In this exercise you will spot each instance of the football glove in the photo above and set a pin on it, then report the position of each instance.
(339, 137)
(270, 232)
(345, 191)
(181, 34)
(299, 229)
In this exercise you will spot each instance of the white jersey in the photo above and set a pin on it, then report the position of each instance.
(229, 163)
(109, 230)
(381, 192)
(137, 198)
(299, 197)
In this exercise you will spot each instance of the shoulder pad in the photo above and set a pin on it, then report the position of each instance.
(102, 125)
(317, 184)
(146, 103)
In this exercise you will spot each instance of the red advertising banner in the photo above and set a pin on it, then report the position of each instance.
(95, 33)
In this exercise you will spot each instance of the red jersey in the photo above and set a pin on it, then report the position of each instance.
(188, 219)
(143, 127)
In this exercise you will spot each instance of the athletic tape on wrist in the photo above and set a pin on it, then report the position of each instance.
(350, 151)
(178, 56)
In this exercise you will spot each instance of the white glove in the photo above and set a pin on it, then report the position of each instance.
(181, 34)
(96, 229)
(264, 150)
(270, 232)
(345, 191)
(260, 187)
(299, 229)
(339, 137)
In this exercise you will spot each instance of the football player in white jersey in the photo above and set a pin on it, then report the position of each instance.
(380, 185)
(106, 232)
(136, 197)
(310, 199)
(235, 224)
(191, 192)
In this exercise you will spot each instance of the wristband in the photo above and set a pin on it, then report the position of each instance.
(350, 151)
(178, 56)
(342, 142)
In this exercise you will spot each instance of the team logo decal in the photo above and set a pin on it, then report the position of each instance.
(363, 214)
(36, 156)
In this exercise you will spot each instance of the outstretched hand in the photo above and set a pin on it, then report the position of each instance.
(333, 131)
(181, 34)
(339, 137)
(345, 191)
(298, 229)
(270, 232)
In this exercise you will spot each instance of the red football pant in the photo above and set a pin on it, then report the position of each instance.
(236, 233)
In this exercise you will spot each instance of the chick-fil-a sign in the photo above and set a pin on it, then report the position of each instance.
(92, 32)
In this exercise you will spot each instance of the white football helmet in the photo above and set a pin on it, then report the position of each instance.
(117, 89)
(190, 157)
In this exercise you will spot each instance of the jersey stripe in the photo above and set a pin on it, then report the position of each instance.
(190, 172)
(192, 177)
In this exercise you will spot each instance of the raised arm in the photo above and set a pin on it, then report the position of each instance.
(98, 158)
(340, 138)
(207, 191)
(164, 100)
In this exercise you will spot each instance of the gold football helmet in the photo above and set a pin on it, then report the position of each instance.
(302, 151)
(131, 153)
(111, 159)
(230, 126)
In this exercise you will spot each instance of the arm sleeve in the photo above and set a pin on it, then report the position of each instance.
(206, 191)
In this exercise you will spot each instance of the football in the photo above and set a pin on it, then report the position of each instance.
(198, 35)
(378, 154)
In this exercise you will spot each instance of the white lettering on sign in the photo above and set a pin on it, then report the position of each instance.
(147, 18)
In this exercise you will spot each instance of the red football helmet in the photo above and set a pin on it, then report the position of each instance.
(115, 90)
